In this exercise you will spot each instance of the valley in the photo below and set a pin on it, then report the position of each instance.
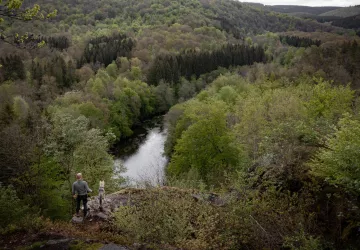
(201, 124)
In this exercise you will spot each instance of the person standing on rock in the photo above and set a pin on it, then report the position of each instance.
(80, 189)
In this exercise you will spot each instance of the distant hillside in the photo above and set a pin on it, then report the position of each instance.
(294, 9)
(343, 12)
(347, 18)
(232, 17)
(324, 19)
(352, 22)
(302, 15)
(301, 9)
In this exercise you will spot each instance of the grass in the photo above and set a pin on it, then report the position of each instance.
(93, 231)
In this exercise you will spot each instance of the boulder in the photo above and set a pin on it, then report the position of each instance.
(77, 220)
(102, 216)
(112, 246)
(110, 204)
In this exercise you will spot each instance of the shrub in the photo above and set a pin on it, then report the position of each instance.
(173, 217)
(14, 214)
(301, 241)
(339, 161)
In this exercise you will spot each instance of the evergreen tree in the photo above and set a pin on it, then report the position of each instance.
(192, 63)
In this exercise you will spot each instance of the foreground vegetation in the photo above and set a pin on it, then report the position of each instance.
(281, 155)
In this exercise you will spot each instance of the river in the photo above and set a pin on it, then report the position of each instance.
(142, 154)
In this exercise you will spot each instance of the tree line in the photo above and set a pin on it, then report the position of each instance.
(12, 68)
(348, 22)
(105, 49)
(62, 71)
(53, 42)
(170, 68)
(299, 41)
(58, 42)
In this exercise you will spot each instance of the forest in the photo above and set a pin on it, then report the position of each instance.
(261, 108)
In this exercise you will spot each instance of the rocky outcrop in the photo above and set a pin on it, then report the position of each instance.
(113, 201)
(110, 204)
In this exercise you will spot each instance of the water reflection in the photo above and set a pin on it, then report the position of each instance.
(142, 154)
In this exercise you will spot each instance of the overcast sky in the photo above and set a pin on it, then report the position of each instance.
(307, 2)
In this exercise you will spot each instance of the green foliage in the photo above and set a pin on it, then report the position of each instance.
(12, 9)
(165, 96)
(301, 241)
(253, 133)
(14, 213)
(338, 162)
(299, 42)
(106, 49)
(48, 192)
(121, 125)
(90, 111)
(76, 148)
(12, 68)
(11, 209)
(91, 158)
(272, 124)
(112, 69)
(173, 218)
(329, 102)
(228, 94)
(110, 101)
(21, 108)
(194, 63)
(190, 180)
(186, 90)
(343, 12)
(207, 144)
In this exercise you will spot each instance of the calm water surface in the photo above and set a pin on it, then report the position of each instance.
(142, 153)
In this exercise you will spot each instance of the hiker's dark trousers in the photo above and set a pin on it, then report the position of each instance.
(82, 198)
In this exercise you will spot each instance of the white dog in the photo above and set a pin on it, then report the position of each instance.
(101, 192)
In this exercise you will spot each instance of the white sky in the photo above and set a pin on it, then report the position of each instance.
(307, 2)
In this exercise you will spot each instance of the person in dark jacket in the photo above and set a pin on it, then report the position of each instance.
(80, 190)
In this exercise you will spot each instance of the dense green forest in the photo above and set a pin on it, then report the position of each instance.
(346, 17)
(261, 108)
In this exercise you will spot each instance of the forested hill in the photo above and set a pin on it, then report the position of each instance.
(343, 12)
(345, 17)
(240, 19)
(299, 9)
(154, 27)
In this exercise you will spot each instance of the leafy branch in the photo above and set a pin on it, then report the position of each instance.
(11, 10)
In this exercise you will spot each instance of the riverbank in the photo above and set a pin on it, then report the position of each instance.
(142, 154)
